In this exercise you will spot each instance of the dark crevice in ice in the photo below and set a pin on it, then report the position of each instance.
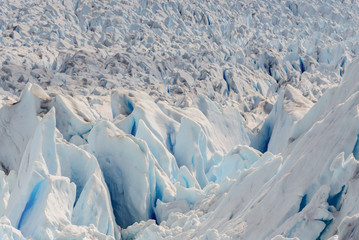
(134, 128)
(335, 200)
(356, 149)
(327, 223)
(226, 79)
(302, 67)
(303, 203)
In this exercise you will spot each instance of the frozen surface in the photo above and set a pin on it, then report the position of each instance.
(179, 119)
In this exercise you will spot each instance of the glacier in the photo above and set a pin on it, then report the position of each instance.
(154, 119)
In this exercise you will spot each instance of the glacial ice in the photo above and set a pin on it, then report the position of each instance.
(179, 120)
(18, 123)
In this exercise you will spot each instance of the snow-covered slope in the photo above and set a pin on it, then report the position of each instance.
(179, 119)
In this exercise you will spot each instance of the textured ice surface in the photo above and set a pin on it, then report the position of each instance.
(179, 119)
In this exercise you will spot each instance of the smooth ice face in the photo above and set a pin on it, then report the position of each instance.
(127, 173)
(165, 159)
(132, 174)
(73, 117)
(18, 123)
(191, 137)
(92, 205)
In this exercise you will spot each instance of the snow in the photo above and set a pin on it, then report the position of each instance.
(179, 119)
(9, 232)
